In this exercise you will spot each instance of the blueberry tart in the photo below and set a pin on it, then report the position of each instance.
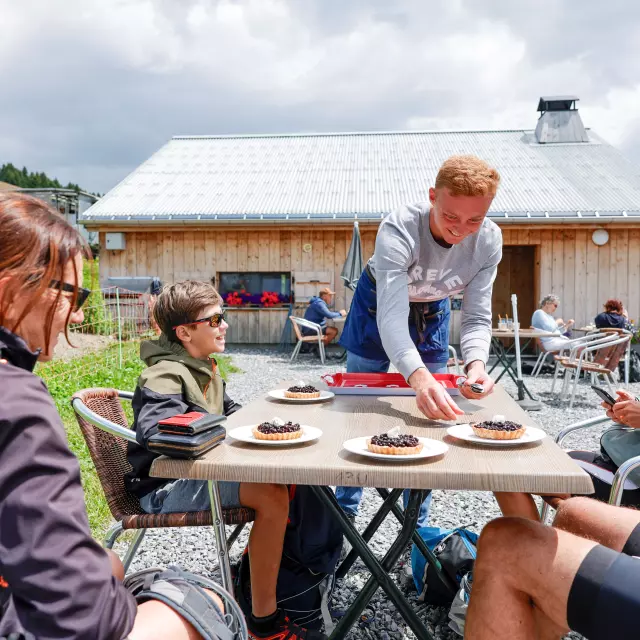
(394, 443)
(302, 391)
(498, 428)
(277, 429)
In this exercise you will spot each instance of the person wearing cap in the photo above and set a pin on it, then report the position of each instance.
(425, 253)
(318, 311)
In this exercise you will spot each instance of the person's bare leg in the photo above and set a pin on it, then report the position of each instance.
(520, 505)
(521, 581)
(331, 333)
(156, 621)
(117, 568)
(271, 504)
(588, 518)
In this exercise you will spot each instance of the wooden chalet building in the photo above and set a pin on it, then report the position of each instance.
(275, 213)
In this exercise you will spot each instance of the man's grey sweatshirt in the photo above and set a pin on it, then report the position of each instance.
(409, 265)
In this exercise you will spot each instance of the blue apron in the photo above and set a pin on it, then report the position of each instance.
(360, 333)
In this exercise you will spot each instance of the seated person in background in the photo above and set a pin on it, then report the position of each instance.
(614, 316)
(182, 376)
(56, 581)
(543, 320)
(318, 311)
(616, 446)
(533, 581)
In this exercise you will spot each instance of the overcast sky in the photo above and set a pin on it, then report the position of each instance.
(90, 88)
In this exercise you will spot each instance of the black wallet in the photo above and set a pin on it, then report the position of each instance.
(186, 446)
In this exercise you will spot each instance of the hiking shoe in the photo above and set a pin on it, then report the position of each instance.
(283, 629)
(346, 545)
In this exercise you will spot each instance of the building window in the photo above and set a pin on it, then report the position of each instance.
(255, 289)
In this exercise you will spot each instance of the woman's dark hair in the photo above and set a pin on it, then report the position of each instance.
(36, 244)
(614, 306)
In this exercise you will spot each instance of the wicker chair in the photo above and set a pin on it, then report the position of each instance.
(104, 426)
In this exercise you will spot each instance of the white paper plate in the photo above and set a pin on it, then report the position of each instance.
(245, 434)
(465, 432)
(278, 394)
(430, 448)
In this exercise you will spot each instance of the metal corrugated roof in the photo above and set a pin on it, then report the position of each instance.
(343, 175)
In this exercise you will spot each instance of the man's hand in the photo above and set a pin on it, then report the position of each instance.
(622, 397)
(432, 398)
(343, 313)
(476, 374)
(626, 410)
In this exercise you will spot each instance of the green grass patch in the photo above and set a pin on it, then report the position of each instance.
(98, 369)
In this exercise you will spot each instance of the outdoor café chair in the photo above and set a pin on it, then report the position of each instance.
(606, 355)
(317, 339)
(570, 345)
(104, 426)
(620, 477)
(454, 362)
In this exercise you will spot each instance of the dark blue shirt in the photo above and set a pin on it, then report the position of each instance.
(318, 312)
(606, 320)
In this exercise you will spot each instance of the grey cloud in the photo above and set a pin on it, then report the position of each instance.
(80, 112)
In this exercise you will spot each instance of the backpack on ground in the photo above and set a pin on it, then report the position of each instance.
(634, 367)
(456, 551)
(312, 545)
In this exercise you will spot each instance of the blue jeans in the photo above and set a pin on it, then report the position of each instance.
(349, 497)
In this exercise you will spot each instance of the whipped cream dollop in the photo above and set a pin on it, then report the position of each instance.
(394, 433)
(499, 418)
(278, 422)
(301, 383)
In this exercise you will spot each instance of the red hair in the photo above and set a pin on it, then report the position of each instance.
(614, 306)
(36, 244)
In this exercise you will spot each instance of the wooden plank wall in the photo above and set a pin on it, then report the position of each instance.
(567, 262)
(201, 253)
(581, 273)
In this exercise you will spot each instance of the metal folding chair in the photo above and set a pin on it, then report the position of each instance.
(599, 358)
(454, 362)
(317, 339)
(104, 426)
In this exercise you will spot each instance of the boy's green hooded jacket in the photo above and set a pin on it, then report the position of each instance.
(173, 383)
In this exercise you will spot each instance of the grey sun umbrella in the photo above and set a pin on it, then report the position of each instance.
(353, 265)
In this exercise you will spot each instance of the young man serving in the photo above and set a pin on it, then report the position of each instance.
(424, 254)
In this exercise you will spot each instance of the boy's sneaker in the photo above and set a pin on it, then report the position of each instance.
(281, 629)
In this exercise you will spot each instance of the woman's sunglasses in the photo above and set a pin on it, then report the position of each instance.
(214, 321)
(82, 295)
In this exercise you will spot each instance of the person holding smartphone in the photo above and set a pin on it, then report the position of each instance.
(617, 445)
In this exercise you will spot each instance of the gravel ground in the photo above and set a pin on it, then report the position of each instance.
(263, 368)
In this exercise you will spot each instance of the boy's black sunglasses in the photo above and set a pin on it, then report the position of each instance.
(214, 321)
(83, 294)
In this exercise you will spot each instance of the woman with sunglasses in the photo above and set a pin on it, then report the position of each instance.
(55, 580)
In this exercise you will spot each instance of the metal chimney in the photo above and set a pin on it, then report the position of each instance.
(560, 121)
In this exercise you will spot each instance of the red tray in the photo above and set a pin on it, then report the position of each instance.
(383, 384)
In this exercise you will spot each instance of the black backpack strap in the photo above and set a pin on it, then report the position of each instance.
(185, 593)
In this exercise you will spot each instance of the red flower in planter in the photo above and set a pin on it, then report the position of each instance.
(233, 299)
(269, 299)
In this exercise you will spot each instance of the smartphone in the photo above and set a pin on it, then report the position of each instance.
(604, 394)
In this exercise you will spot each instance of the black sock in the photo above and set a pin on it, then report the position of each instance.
(265, 623)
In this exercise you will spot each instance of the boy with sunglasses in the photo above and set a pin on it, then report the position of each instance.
(182, 376)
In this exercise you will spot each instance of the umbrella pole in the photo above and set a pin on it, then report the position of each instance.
(522, 400)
